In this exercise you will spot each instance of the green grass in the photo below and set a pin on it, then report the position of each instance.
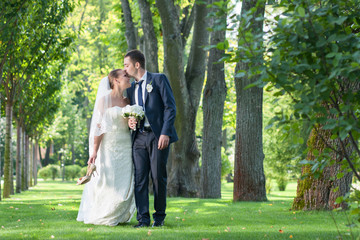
(50, 209)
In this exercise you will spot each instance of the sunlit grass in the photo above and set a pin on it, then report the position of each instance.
(50, 209)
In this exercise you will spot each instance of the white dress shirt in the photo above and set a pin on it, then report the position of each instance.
(143, 85)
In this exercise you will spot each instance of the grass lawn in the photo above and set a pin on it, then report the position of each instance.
(49, 210)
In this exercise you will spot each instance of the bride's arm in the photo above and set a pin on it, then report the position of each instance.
(97, 141)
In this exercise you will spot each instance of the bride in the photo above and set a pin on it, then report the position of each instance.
(108, 199)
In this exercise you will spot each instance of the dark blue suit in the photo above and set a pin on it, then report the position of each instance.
(160, 110)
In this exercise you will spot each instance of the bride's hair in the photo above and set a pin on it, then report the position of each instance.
(112, 75)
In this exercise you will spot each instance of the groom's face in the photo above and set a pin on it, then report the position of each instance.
(129, 67)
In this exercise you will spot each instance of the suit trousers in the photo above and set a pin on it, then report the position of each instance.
(148, 158)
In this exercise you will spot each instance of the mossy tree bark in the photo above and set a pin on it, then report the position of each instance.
(319, 193)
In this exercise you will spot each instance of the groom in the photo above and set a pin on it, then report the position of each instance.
(152, 138)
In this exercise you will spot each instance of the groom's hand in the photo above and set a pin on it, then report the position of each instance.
(163, 142)
(132, 123)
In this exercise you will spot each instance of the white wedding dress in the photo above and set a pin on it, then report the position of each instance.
(108, 199)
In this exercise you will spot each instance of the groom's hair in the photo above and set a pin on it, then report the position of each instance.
(136, 56)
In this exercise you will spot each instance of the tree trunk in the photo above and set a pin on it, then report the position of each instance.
(31, 160)
(47, 153)
(73, 153)
(213, 108)
(249, 179)
(318, 193)
(18, 158)
(0, 151)
(150, 40)
(7, 157)
(36, 160)
(22, 148)
(26, 161)
(130, 32)
(184, 175)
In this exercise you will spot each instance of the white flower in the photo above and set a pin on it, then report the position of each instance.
(135, 111)
(149, 88)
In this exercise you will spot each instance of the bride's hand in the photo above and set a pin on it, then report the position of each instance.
(92, 159)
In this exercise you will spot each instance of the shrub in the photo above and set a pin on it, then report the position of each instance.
(83, 171)
(281, 182)
(55, 170)
(44, 173)
(50, 171)
(72, 171)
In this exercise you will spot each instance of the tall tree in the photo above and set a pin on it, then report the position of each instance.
(249, 179)
(130, 28)
(213, 104)
(150, 40)
(184, 175)
(318, 67)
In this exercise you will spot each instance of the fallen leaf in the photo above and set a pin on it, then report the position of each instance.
(149, 233)
(232, 218)
(53, 208)
(294, 212)
(19, 220)
(291, 236)
(271, 226)
(270, 204)
(281, 231)
(11, 207)
(243, 228)
(183, 219)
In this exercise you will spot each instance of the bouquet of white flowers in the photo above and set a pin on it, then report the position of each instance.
(134, 111)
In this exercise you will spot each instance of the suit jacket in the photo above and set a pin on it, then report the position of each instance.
(160, 108)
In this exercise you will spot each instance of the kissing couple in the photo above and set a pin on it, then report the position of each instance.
(123, 151)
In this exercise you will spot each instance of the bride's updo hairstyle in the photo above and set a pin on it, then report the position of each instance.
(112, 75)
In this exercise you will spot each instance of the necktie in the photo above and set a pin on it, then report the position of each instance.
(140, 98)
(141, 103)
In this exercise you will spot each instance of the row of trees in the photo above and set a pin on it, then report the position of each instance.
(315, 67)
(33, 54)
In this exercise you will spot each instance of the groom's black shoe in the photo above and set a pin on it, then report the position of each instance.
(140, 225)
(158, 223)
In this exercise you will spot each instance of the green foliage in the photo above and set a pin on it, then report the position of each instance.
(83, 171)
(226, 165)
(72, 172)
(50, 171)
